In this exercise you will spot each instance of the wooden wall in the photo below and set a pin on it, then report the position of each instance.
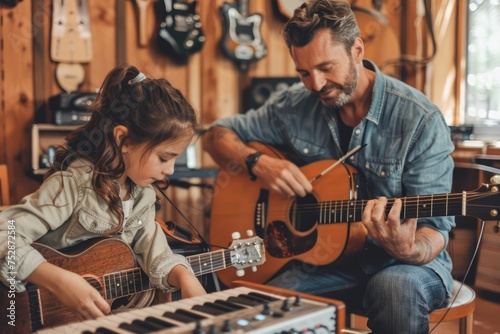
(211, 81)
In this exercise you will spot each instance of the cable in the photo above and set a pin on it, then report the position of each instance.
(465, 276)
(157, 186)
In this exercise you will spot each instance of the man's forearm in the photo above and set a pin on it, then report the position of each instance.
(224, 146)
(428, 244)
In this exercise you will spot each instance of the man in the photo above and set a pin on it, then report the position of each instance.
(403, 272)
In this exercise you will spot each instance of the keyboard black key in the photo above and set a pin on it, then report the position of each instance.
(208, 309)
(263, 296)
(102, 330)
(244, 301)
(160, 323)
(225, 303)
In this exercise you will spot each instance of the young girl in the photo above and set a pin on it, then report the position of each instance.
(100, 183)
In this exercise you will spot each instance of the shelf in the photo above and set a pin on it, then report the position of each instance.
(44, 136)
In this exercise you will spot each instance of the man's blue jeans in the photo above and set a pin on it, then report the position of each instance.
(397, 299)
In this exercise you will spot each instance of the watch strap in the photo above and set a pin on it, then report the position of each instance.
(250, 161)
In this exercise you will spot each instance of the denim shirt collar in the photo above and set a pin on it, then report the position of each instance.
(378, 93)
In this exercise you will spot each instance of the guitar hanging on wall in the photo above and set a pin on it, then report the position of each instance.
(181, 29)
(241, 39)
(71, 42)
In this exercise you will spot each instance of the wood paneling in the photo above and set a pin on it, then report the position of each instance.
(16, 86)
(212, 82)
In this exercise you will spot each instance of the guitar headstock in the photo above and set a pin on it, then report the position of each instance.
(484, 203)
(246, 253)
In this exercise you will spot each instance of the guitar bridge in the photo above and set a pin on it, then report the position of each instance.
(260, 213)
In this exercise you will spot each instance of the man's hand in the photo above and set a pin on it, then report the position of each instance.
(282, 176)
(402, 241)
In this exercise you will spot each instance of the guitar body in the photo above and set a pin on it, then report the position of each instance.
(181, 28)
(241, 39)
(37, 308)
(289, 234)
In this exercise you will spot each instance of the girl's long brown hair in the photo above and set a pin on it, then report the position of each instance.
(152, 110)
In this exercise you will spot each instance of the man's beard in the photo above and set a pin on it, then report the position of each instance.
(345, 91)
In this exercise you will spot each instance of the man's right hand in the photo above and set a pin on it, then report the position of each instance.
(282, 176)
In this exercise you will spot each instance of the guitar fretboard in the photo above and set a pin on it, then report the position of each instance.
(125, 283)
(132, 281)
(413, 207)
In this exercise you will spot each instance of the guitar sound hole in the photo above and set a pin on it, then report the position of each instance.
(304, 213)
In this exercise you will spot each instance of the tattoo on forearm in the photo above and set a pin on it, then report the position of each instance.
(427, 248)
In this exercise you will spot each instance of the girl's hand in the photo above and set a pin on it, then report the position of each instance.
(72, 290)
(182, 278)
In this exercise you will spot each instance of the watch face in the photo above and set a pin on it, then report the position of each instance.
(250, 161)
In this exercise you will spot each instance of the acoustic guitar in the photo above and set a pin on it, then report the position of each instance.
(181, 29)
(70, 42)
(241, 39)
(109, 265)
(325, 226)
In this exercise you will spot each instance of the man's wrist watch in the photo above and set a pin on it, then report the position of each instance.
(250, 161)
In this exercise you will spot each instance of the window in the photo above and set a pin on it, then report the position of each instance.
(482, 90)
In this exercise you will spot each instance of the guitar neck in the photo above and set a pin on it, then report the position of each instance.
(413, 207)
(243, 6)
(125, 283)
(210, 262)
(132, 281)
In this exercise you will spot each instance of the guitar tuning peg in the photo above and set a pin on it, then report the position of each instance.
(249, 233)
(236, 235)
(495, 179)
(240, 272)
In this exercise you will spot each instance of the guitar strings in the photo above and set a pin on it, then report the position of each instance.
(424, 203)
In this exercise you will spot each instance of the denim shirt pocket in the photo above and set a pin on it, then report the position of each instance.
(307, 148)
(386, 172)
(91, 222)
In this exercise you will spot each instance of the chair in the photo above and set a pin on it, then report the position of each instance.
(4, 186)
(462, 309)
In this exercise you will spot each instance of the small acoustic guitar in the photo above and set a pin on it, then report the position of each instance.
(109, 265)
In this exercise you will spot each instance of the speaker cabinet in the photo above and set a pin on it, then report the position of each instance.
(260, 89)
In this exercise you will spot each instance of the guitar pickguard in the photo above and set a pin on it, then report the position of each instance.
(281, 243)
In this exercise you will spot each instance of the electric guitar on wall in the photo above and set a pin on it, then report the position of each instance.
(241, 39)
(109, 265)
(324, 226)
(181, 29)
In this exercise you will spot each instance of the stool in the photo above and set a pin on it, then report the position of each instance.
(462, 309)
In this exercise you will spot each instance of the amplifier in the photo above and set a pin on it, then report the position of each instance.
(71, 108)
(73, 117)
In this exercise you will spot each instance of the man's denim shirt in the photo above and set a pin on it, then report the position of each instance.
(407, 152)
